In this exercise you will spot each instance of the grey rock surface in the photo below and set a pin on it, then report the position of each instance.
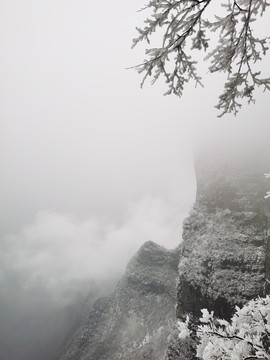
(225, 253)
(135, 321)
(223, 261)
(225, 238)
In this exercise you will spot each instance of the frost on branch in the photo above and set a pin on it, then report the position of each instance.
(185, 27)
(183, 328)
(247, 336)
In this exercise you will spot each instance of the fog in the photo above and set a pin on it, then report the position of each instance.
(91, 165)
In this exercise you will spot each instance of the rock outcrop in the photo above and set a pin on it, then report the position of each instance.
(223, 253)
(224, 256)
(223, 261)
(135, 321)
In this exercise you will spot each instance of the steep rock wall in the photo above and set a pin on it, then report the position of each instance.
(224, 261)
(225, 253)
(225, 239)
(135, 321)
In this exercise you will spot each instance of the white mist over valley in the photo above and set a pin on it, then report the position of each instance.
(92, 166)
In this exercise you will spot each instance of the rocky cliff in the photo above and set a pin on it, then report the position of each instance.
(223, 261)
(135, 321)
(224, 256)
(223, 253)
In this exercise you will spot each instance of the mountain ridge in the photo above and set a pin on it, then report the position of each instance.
(222, 261)
(137, 318)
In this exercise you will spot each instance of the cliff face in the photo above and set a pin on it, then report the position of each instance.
(135, 321)
(224, 250)
(224, 261)
(225, 256)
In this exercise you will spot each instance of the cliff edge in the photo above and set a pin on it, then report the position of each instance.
(135, 321)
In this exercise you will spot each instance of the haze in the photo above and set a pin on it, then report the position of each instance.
(91, 165)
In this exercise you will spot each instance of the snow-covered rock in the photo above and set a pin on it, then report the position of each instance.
(135, 321)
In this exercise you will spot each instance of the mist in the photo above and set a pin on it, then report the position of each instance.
(59, 254)
(91, 165)
(55, 267)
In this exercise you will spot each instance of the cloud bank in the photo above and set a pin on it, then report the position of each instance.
(59, 254)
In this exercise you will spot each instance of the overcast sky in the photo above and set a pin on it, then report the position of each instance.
(91, 165)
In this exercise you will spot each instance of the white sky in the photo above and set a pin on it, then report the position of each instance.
(91, 165)
(78, 134)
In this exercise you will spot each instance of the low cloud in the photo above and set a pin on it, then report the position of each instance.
(59, 255)
(48, 268)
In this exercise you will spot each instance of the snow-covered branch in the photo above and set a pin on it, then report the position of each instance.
(185, 27)
(245, 337)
